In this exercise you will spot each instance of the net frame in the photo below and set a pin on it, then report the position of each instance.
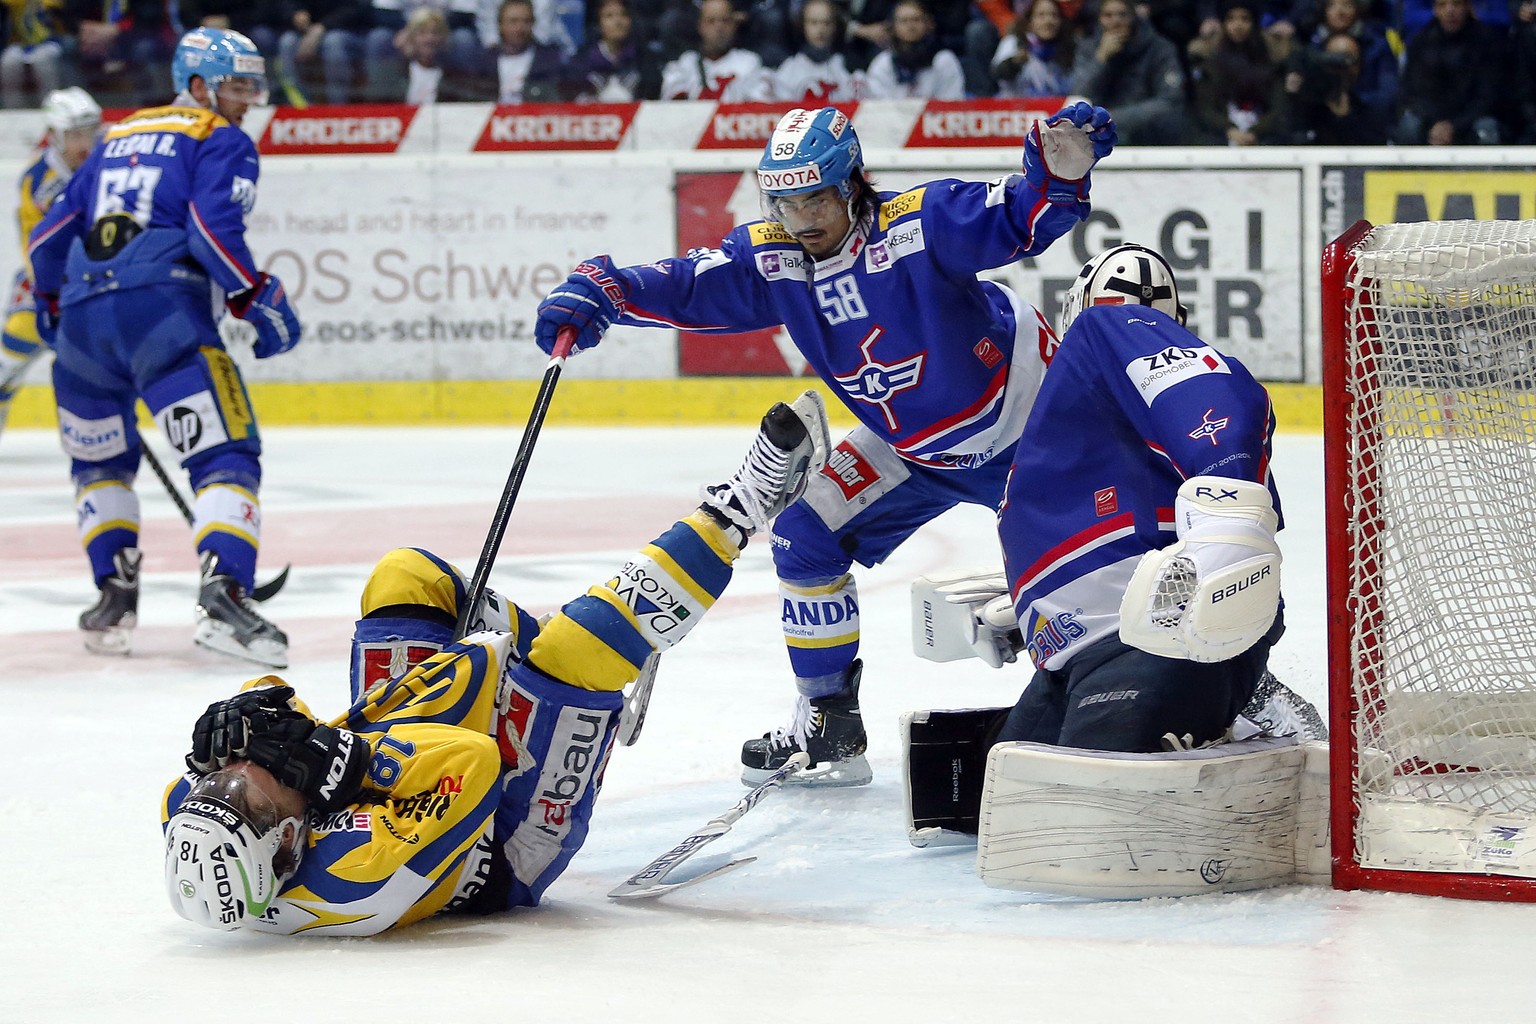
(1429, 389)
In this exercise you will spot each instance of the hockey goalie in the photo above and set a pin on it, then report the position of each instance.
(1151, 753)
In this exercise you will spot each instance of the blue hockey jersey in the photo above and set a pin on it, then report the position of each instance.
(1133, 406)
(937, 363)
(167, 190)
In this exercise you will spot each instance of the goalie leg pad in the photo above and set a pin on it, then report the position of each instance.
(946, 754)
(1128, 826)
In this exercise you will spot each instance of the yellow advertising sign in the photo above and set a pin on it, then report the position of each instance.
(1448, 194)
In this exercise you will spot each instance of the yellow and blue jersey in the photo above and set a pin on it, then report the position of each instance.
(487, 755)
(40, 184)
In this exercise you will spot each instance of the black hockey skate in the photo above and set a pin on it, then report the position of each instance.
(227, 621)
(1280, 711)
(830, 729)
(790, 448)
(108, 624)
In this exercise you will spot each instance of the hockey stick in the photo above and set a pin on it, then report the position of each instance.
(260, 592)
(651, 880)
(565, 340)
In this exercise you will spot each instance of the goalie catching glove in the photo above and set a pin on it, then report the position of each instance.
(261, 725)
(590, 300)
(1213, 594)
(1061, 150)
(266, 308)
(965, 616)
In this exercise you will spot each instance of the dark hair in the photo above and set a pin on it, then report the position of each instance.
(866, 198)
(1066, 39)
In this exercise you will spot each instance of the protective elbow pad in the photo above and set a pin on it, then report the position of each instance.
(1214, 593)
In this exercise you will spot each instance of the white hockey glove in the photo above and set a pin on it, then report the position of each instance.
(1213, 594)
(968, 615)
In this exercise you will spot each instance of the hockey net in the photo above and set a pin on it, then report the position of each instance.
(1429, 335)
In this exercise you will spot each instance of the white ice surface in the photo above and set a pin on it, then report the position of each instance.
(840, 920)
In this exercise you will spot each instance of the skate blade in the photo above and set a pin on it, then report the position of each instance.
(827, 775)
(115, 641)
(216, 636)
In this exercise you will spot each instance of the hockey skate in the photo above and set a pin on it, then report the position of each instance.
(108, 624)
(830, 729)
(227, 621)
(790, 447)
(1277, 710)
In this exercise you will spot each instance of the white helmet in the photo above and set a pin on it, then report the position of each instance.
(1125, 274)
(68, 109)
(228, 851)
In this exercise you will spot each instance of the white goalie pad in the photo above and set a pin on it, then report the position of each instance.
(1238, 816)
(965, 615)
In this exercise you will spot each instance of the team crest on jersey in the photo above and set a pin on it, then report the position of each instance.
(877, 383)
(1210, 426)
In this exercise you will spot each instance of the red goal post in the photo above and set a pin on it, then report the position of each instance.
(1429, 392)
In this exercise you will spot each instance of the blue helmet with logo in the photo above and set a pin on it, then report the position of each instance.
(809, 150)
(216, 55)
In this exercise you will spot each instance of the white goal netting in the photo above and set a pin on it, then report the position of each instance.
(1441, 376)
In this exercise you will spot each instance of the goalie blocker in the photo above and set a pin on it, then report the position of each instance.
(1108, 825)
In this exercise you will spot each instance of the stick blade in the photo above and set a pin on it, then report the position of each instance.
(650, 889)
(268, 590)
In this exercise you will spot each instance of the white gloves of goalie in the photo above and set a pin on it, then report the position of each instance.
(967, 615)
(1215, 592)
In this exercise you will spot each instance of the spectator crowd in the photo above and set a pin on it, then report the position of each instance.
(1172, 72)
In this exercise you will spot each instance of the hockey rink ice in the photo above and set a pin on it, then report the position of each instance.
(839, 921)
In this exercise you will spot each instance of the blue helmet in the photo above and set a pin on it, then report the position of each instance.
(215, 54)
(808, 151)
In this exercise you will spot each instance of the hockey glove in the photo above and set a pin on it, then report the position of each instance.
(265, 307)
(1060, 151)
(965, 616)
(47, 306)
(589, 300)
(327, 765)
(1212, 595)
(222, 733)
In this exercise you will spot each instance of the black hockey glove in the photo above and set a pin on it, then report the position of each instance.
(327, 765)
(222, 733)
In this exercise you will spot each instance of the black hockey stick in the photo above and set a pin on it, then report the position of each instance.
(565, 340)
(651, 880)
(262, 591)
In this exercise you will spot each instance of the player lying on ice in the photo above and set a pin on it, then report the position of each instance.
(879, 292)
(1138, 535)
(467, 783)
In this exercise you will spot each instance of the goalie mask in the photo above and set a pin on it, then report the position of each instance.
(229, 849)
(1126, 274)
(809, 151)
(219, 56)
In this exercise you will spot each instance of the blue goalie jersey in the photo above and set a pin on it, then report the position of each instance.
(938, 364)
(1134, 405)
